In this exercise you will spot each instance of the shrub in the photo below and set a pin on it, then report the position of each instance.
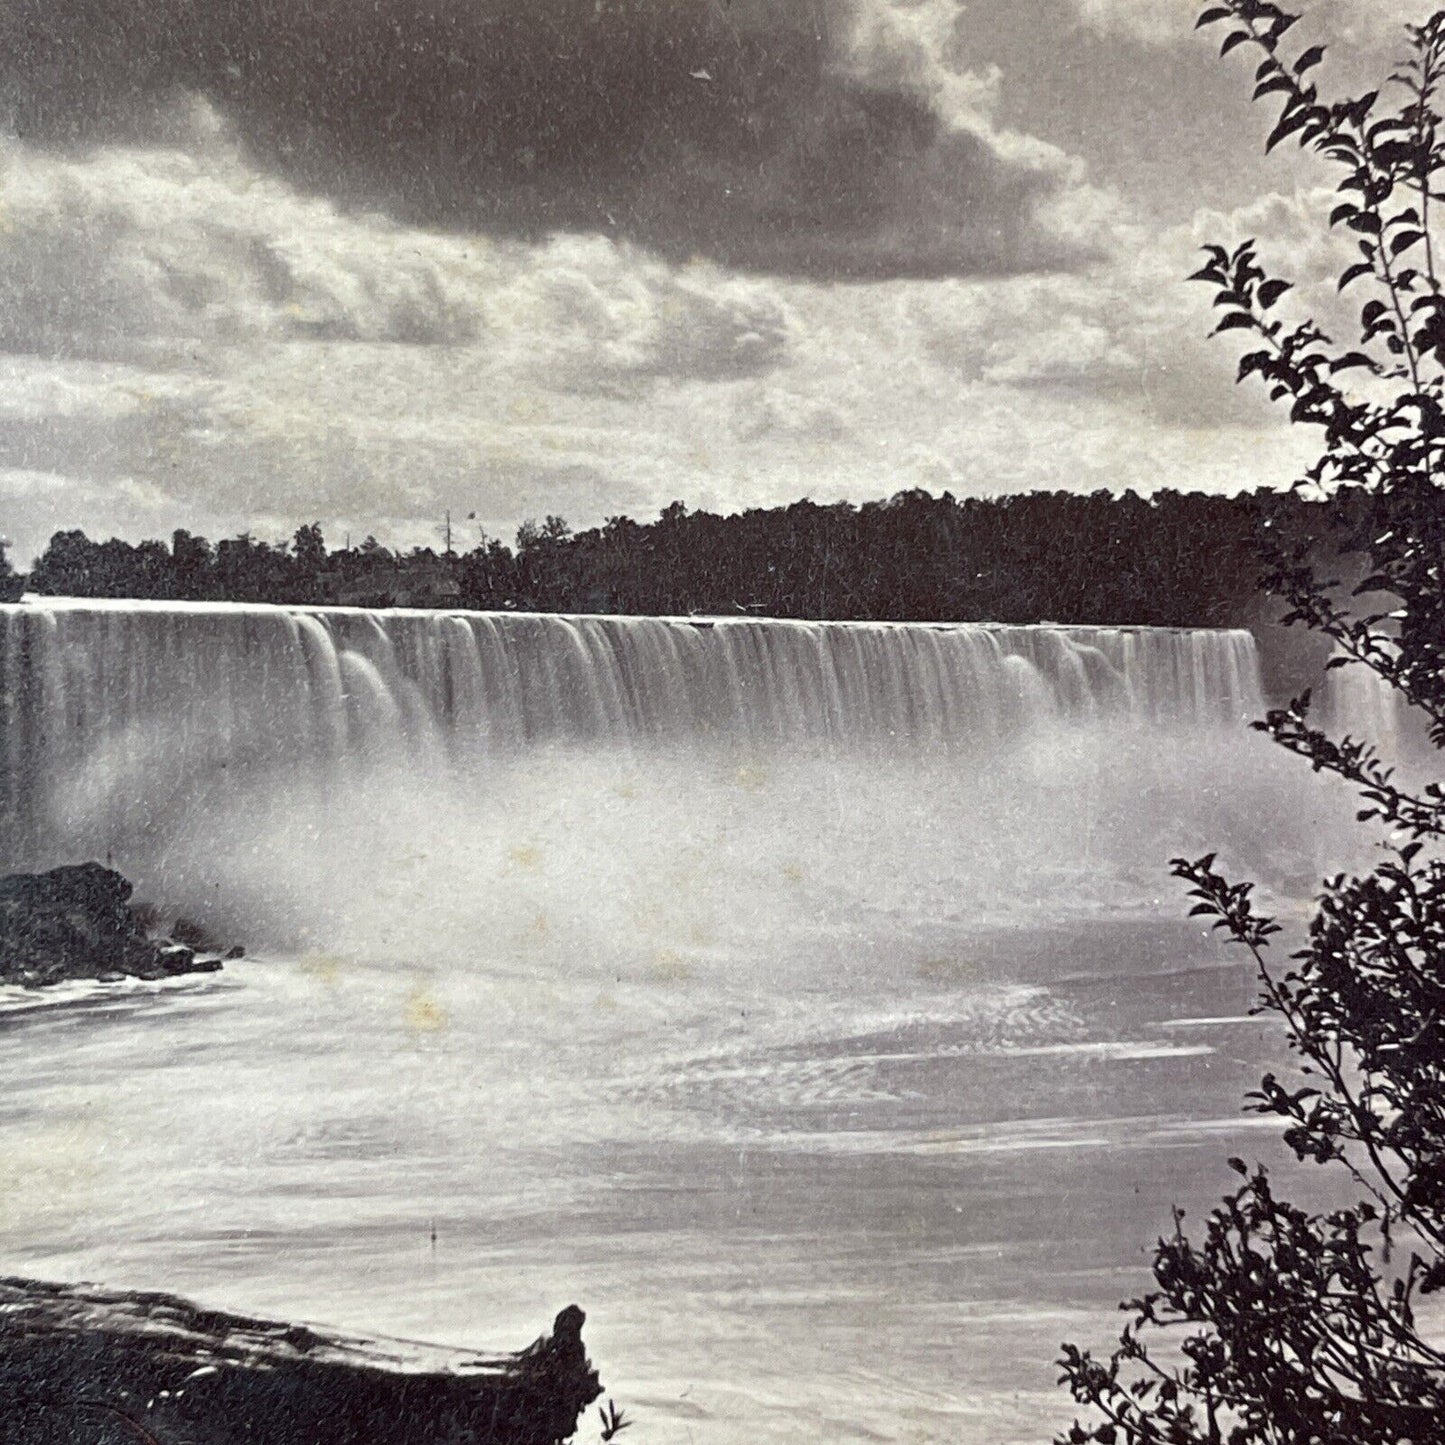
(1278, 1324)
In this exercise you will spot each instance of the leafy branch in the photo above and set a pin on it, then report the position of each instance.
(1282, 1325)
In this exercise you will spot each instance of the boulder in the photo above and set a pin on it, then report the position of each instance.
(195, 935)
(176, 958)
(77, 922)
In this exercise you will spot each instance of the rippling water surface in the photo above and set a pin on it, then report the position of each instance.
(789, 1219)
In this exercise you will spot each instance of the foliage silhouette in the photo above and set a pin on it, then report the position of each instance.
(1282, 1325)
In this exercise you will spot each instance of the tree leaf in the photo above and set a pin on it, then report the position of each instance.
(1289, 123)
(1269, 87)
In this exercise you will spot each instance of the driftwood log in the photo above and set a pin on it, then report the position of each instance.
(82, 1366)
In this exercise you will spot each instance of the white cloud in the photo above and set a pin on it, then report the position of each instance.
(164, 255)
(908, 45)
(772, 412)
(191, 343)
(1374, 24)
(1155, 22)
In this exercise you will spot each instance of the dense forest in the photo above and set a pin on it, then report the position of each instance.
(1172, 559)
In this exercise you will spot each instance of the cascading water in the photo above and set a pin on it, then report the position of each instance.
(811, 1001)
(183, 741)
(329, 685)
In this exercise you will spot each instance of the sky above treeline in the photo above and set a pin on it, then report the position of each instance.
(264, 262)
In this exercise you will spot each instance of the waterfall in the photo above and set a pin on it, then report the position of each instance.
(330, 679)
(307, 762)
(1357, 703)
(153, 701)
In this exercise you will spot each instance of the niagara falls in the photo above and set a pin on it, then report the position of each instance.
(720, 722)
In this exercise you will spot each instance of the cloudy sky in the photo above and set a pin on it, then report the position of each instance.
(270, 261)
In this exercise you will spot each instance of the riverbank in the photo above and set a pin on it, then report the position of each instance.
(75, 1360)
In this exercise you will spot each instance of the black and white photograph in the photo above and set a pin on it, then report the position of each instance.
(720, 722)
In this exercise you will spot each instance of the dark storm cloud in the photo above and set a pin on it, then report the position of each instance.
(743, 130)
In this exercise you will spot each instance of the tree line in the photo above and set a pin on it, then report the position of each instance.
(1171, 559)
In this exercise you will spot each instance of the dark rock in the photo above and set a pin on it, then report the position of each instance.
(77, 922)
(233, 953)
(147, 914)
(81, 1364)
(175, 958)
(194, 935)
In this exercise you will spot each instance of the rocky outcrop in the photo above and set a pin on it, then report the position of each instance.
(80, 1364)
(77, 922)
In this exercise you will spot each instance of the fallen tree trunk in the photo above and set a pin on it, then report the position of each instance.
(81, 1366)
